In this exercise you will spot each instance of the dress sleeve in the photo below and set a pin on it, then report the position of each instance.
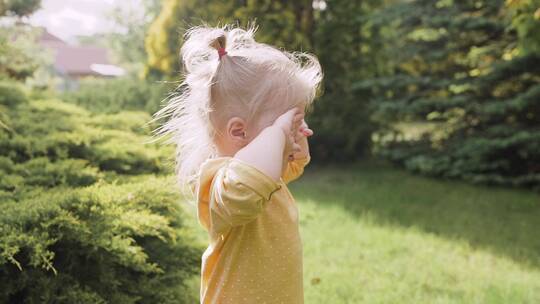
(295, 169)
(240, 192)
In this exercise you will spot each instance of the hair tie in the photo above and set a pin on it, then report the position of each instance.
(221, 52)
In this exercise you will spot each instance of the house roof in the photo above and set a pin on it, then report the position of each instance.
(47, 37)
(79, 60)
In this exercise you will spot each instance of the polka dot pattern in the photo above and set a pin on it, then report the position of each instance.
(255, 251)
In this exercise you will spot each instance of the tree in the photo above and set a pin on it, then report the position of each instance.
(18, 59)
(20, 54)
(462, 98)
(133, 22)
(349, 49)
(19, 8)
(284, 24)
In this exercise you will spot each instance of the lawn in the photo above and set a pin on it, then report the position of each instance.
(375, 234)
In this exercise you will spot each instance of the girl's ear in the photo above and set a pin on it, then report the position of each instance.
(236, 131)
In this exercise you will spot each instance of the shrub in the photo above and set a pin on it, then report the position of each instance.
(99, 244)
(116, 95)
(58, 130)
(76, 226)
(11, 94)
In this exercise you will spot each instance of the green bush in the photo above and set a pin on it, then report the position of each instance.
(58, 130)
(116, 95)
(77, 225)
(42, 172)
(100, 244)
(11, 94)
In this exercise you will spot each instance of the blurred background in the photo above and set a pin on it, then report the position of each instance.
(425, 174)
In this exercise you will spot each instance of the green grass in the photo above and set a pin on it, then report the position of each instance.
(374, 234)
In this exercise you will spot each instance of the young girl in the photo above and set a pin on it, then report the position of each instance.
(241, 138)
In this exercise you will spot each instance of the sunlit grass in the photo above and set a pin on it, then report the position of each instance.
(373, 234)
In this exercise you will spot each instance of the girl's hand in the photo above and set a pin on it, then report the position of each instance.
(301, 138)
(303, 131)
(290, 122)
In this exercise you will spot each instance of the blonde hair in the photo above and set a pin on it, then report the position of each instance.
(249, 80)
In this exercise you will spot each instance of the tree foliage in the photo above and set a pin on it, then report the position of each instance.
(283, 23)
(462, 99)
(127, 42)
(348, 47)
(20, 54)
(19, 8)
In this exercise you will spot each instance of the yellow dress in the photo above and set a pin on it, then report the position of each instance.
(255, 250)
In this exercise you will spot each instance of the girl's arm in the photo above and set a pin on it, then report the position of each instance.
(266, 157)
(243, 186)
(268, 152)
